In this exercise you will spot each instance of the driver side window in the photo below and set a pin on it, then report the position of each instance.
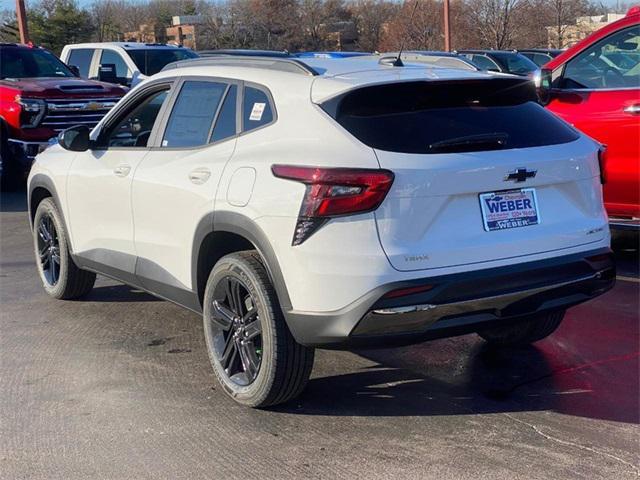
(134, 129)
(613, 62)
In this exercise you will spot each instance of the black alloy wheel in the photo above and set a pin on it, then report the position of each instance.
(48, 250)
(237, 331)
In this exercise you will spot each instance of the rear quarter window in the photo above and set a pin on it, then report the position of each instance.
(257, 110)
(438, 117)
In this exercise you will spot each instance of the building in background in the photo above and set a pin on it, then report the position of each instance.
(340, 35)
(186, 30)
(584, 26)
(146, 33)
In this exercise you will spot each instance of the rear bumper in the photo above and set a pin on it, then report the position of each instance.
(459, 304)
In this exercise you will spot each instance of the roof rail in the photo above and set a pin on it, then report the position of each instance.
(270, 63)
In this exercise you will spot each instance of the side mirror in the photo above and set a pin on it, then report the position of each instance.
(74, 69)
(544, 88)
(75, 139)
(107, 73)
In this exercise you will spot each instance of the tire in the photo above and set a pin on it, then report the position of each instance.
(524, 332)
(60, 276)
(268, 367)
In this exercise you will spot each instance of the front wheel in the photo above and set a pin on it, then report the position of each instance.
(61, 278)
(254, 356)
(525, 331)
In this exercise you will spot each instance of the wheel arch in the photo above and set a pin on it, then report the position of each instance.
(228, 232)
(41, 187)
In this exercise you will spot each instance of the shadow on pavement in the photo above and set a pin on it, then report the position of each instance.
(487, 381)
(119, 293)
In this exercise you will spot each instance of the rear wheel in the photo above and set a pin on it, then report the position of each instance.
(253, 354)
(60, 276)
(524, 332)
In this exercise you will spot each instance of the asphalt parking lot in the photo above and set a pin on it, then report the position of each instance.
(118, 386)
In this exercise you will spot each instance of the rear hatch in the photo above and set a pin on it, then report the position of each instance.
(482, 172)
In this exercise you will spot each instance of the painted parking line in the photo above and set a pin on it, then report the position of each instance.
(628, 279)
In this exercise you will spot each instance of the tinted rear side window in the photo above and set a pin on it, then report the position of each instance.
(424, 117)
(257, 110)
(193, 113)
(226, 122)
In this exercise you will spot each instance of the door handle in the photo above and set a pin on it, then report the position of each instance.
(199, 175)
(122, 170)
(633, 109)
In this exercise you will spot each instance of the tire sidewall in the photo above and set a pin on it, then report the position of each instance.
(235, 267)
(48, 207)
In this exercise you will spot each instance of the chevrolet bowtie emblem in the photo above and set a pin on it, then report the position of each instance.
(520, 175)
(93, 106)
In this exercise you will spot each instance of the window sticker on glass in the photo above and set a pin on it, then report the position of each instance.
(257, 111)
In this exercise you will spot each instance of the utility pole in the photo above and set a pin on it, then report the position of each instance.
(22, 21)
(447, 31)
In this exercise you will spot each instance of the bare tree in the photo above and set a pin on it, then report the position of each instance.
(423, 31)
(494, 20)
(275, 23)
(564, 14)
(107, 15)
(316, 18)
(371, 17)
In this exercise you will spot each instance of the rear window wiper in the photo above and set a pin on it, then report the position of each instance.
(470, 143)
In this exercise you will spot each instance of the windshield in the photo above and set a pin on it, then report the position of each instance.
(19, 62)
(516, 63)
(150, 61)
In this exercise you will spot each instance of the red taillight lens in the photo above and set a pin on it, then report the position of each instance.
(403, 292)
(333, 192)
(602, 162)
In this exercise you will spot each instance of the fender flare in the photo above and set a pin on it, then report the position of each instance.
(43, 181)
(236, 223)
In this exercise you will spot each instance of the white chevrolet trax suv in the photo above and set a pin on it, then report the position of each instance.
(300, 204)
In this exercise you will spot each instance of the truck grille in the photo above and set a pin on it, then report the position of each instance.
(62, 114)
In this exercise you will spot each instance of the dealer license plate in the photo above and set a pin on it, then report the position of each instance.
(509, 209)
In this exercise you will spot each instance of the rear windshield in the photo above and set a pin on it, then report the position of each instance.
(151, 61)
(437, 117)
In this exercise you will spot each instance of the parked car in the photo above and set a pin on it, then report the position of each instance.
(504, 61)
(331, 54)
(321, 203)
(540, 56)
(437, 59)
(125, 63)
(590, 88)
(39, 97)
(244, 52)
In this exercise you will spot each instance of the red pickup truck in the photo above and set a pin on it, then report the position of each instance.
(39, 97)
(595, 85)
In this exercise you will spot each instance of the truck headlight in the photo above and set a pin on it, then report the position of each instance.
(32, 111)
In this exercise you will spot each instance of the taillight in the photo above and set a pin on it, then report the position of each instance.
(602, 162)
(403, 292)
(334, 192)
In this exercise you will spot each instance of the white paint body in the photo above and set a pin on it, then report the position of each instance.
(429, 224)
